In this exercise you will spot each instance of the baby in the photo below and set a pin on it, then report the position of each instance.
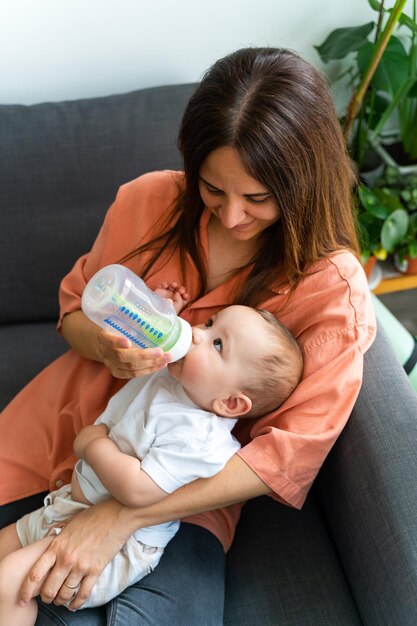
(157, 433)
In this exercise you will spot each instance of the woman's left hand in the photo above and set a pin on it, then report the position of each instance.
(77, 556)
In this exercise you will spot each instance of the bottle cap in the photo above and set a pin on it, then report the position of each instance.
(183, 344)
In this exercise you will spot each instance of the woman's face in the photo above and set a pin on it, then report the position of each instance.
(243, 206)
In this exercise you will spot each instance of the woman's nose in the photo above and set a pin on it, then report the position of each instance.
(231, 213)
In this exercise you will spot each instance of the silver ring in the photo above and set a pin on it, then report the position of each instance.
(69, 586)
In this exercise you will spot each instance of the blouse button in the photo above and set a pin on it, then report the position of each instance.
(59, 483)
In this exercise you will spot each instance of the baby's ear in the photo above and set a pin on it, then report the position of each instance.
(235, 405)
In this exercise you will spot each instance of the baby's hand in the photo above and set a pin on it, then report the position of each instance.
(174, 292)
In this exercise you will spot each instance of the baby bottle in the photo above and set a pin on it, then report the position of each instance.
(119, 301)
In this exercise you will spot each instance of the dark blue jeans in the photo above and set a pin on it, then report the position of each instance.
(186, 589)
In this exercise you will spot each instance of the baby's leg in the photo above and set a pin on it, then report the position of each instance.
(14, 567)
(9, 541)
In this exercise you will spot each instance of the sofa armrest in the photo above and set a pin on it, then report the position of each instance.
(368, 491)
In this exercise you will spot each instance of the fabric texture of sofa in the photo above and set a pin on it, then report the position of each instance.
(350, 556)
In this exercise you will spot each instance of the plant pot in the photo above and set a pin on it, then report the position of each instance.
(408, 266)
(369, 176)
(391, 151)
(369, 266)
(372, 167)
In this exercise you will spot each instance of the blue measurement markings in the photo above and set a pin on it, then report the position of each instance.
(140, 332)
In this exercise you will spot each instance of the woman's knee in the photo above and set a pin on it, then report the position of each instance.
(51, 615)
(185, 589)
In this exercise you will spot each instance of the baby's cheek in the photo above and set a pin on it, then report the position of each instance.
(191, 375)
(194, 368)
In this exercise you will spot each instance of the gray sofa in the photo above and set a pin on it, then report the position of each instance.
(350, 556)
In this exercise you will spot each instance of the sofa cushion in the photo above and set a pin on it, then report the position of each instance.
(25, 350)
(283, 569)
(60, 167)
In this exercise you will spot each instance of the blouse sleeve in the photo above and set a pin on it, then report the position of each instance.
(72, 285)
(288, 447)
(134, 214)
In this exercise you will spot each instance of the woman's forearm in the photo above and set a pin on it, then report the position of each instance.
(93, 537)
(82, 335)
(237, 482)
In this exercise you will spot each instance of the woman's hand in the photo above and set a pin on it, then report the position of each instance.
(123, 361)
(78, 555)
(114, 351)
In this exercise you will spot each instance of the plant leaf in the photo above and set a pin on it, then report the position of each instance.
(412, 249)
(375, 5)
(380, 102)
(344, 40)
(413, 223)
(408, 21)
(394, 229)
(389, 198)
(413, 91)
(372, 204)
(392, 70)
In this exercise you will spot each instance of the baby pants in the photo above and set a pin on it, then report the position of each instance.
(134, 561)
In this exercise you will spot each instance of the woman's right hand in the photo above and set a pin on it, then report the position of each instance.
(123, 361)
(114, 351)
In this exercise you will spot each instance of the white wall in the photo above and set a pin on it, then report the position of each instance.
(67, 49)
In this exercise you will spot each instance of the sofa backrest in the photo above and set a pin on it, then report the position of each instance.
(60, 167)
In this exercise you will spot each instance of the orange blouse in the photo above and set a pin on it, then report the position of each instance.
(330, 314)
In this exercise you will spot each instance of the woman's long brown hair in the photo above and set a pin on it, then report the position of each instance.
(275, 109)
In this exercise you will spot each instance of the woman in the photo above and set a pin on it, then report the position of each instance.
(260, 216)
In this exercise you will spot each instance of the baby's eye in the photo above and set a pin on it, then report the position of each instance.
(209, 323)
(218, 344)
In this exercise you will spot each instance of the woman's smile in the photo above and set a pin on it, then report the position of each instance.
(243, 206)
(244, 226)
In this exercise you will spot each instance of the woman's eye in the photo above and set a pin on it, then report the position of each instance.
(209, 323)
(214, 192)
(218, 344)
(259, 201)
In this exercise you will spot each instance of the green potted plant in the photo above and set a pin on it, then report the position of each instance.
(383, 223)
(406, 254)
(383, 76)
(404, 188)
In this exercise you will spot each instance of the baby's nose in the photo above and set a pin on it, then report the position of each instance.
(197, 335)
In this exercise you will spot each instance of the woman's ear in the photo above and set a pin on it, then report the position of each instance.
(234, 406)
